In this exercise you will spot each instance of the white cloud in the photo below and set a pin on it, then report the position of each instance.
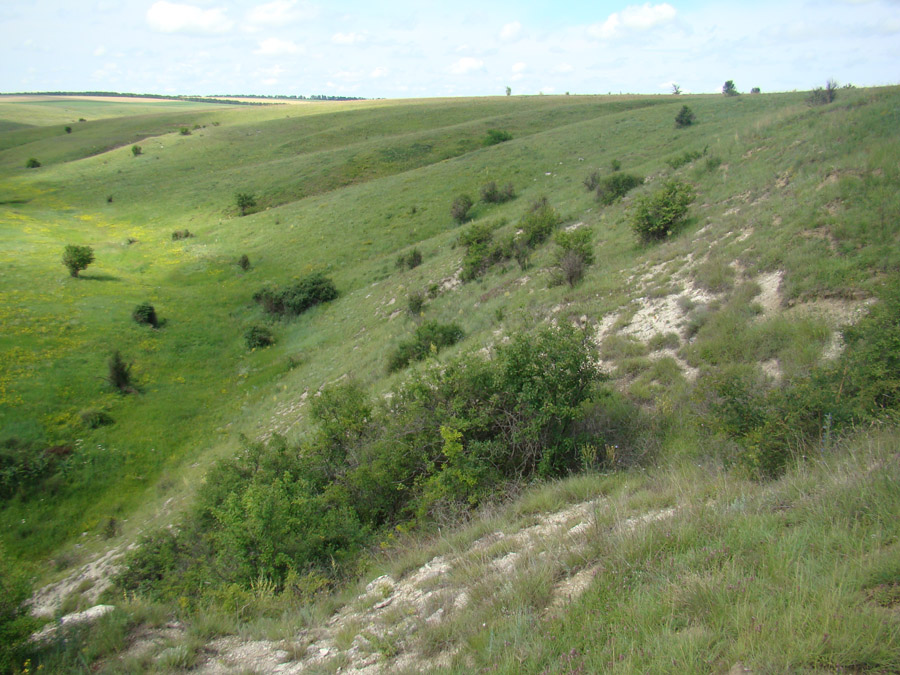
(565, 68)
(277, 46)
(378, 72)
(519, 67)
(633, 17)
(510, 30)
(168, 17)
(279, 13)
(467, 64)
(347, 38)
(100, 51)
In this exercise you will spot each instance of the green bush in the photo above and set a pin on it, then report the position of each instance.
(184, 131)
(478, 240)
(656, 216)
(495, 136)
(416, 302)
(77, 258)
(258, 337)
(615, 165)
(492, 194)
(592, 180)
(23, 465)
(311, 290)
(410, 260)
(685, 117)
(460, 207)
(429, 338)
(181, 234)
(612, 188)
(729, 89)
(32, 163)
(688, 156)
(820, 96)
(119, 373)
(244, 262)
(539, 223)
(94, 419)
(575, 252)
(145, 313)
(136, 150)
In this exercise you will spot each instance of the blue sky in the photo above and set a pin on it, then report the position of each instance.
(409, 49)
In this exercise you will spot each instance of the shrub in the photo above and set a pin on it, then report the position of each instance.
(68, 130)
(181, 234)
(615, 165)
(244, 201)
(478, 241)
(32, 163)
(244, 262)
(538, 224)
(820, 96)
(77, 258)
(491, 194)
(119, 375)
(575, 253)
(259, 336)
(612, 188)
(145, 313)
(94, 419)
(755, 90)
(416, 303)
(656, 216)
(495, 136)
(184, 131)
(410, 260)
(592, 180)
(136, 150)
(686, 157)
(460, 208)
(729, 89)
(685, 117)
(429, 338)
(311, 290)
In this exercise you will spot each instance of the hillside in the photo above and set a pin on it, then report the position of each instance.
(709, 346)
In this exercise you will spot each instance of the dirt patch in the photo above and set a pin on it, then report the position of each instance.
(770, 293)
(96, 574)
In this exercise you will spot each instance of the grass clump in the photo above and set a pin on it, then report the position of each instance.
(119, 373)
(612, 188)
(656, 216)
(686, 157)
(409, 260)
(311, 290)
(258, 337)
(495, 136)
(430, 338)
(181, 234)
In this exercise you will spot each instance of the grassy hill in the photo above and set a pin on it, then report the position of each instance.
(792, 236)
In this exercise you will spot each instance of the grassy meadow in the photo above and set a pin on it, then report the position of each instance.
(792, 236)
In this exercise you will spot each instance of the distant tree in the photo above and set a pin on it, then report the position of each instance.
(819, 96)
(77, 258)
(136, 150)
(676, 90)
(685, 117)
(244, 201)
(755, 90)
(729, 89)
(32, 163)
(508, 91)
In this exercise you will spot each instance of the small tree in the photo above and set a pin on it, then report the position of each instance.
(32, 163)
(676, 90)
(685, 117)
(755, 90)
(68, 130)
(136, 150)
(460, 208)
(145, 313)
(508, 91)
(819, 96)
(77, 258)
(575, 253)
(729, 89)
(244, 201)
(244, 262)
(119, 373)
(656, 216)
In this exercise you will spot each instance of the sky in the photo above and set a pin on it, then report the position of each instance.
(406, 48)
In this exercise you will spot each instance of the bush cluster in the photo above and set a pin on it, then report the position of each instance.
(539, 223)
(429, 338)
(491, 194)
(495, 136)
(444, 440)
(615, 186)
(657, 215)
(481, 250)
(686, 157)
(310, 291)
(409, 260)
(823, 96)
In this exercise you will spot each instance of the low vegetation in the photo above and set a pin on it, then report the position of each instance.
(656, 216)
(77, 258)
(311, 290)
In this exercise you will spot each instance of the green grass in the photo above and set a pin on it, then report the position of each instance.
(342, 189)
